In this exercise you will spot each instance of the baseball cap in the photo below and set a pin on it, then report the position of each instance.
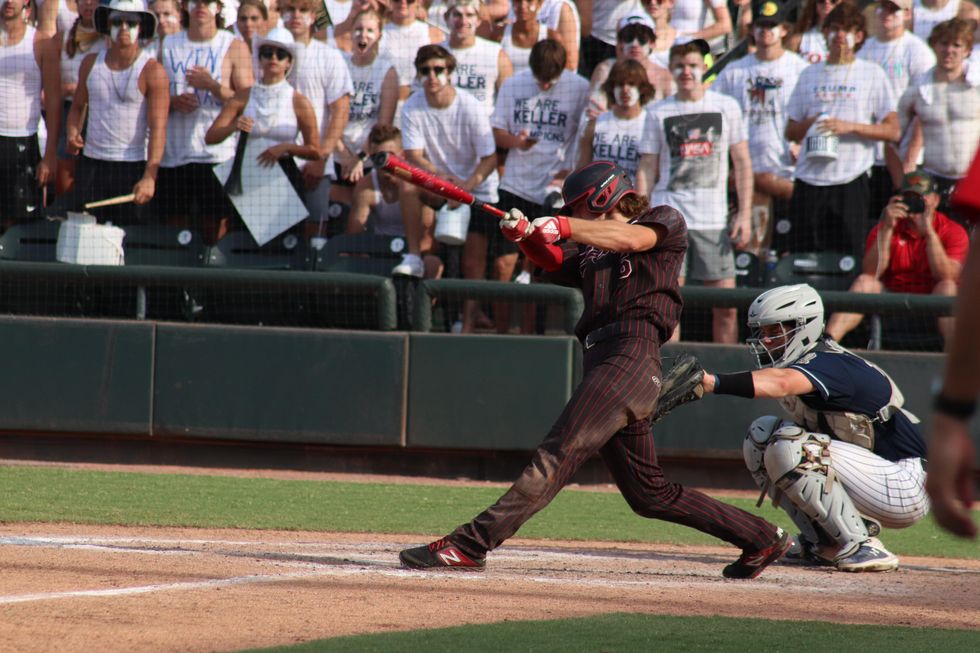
(770, 11)
(635, 19)
(919, 181)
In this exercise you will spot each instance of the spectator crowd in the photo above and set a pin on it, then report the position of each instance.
(776, 127)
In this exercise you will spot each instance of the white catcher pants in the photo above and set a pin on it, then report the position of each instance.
(893, 493)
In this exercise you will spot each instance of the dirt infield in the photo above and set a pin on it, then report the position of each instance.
(71, 587)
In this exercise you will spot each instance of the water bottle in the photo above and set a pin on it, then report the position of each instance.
(771, 258)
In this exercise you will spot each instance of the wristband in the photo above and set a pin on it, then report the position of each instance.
(362, 155)
(564, 227)
(955, 408)
(739, 384)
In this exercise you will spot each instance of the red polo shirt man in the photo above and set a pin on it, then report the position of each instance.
(913, 249)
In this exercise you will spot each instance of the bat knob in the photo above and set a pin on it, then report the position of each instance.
(380, 159)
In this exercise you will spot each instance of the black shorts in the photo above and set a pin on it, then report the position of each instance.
(96, 180)
(830, 218)
(591, 52)
(482, 223)
(881, 190)
(191, 191)
(20, 198)
(339, 177)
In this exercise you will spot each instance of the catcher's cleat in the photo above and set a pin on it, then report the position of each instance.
(870, 556)
(804, 552)
(751, 563)
(441, 554)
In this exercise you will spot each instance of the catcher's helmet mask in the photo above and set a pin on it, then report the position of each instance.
(798, 310)
(600, 183)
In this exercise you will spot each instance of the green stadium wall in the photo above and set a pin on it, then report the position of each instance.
(352, 388)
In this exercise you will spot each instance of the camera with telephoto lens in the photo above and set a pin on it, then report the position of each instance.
(914, 202)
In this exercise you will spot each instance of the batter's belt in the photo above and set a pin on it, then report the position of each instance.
(593, 338)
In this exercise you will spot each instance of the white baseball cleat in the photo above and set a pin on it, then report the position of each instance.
(870, 556)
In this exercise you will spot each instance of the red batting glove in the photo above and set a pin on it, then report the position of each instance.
(551, 229)
(515, 227)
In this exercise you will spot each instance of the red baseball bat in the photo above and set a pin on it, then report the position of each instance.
(435, 185)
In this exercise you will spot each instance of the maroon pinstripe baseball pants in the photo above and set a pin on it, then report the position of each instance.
(609, 413)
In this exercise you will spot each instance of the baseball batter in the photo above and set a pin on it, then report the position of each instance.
(626, 262)
(850, 460)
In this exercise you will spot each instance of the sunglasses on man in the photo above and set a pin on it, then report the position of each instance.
(425, 70)
(269, 51)
(119, 21)
(636, 33)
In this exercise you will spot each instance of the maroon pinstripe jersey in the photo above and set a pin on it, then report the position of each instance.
(636, 290)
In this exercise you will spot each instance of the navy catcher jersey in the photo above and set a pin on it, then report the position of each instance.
(637, 290)
(844, 381)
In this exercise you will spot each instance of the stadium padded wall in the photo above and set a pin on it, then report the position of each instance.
(295, 385)
(76, 376)
(354, 388)
(487, 392)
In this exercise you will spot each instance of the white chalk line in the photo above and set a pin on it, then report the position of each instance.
(372, 558)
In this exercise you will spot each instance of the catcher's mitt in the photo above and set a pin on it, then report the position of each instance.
(681, 385)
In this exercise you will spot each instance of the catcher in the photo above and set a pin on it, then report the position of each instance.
(849, 461)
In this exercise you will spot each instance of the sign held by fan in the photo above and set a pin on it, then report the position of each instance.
(268, 205)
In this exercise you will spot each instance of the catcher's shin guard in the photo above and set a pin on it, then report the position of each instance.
(754, 447)
(798, 464)
(757, 440)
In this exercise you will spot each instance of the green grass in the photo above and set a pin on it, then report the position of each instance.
(612, 633)
(44, 494)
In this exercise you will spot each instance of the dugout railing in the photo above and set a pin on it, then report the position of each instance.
(218, 295)
(336, 299)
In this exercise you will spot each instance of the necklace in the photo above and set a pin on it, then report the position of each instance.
(121, 96)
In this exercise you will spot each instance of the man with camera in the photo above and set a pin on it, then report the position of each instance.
(913, 249)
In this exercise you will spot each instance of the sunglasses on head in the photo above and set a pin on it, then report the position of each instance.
(408, 2)
(425, 70)
(268, 51)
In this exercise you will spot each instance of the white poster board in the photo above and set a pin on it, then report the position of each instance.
(268, 204)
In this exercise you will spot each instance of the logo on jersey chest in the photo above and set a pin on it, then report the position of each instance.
(625, 267)
(596, 259)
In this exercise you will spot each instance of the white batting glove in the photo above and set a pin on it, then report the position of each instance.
(515, 227)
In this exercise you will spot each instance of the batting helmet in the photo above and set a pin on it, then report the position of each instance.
(600, 183)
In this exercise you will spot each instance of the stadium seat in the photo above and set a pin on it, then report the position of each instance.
(30, 241)
(361, 253)
(749, 271)
(822, 270)
(238, 249)
(164, 245)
